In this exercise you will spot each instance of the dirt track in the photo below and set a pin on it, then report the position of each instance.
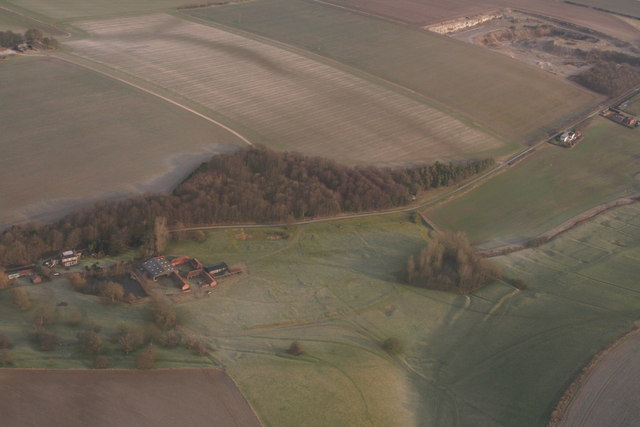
(609, 393)
(172, 397)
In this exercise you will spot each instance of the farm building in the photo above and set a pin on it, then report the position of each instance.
(15, 273)
(69, 258)
(158, 267)
(219, 269)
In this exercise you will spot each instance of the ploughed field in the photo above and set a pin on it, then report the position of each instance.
(426, 12)
(547, 188)
(280, 98)
(517, 101)
(70, 134)
(608, 394)
(194, 397)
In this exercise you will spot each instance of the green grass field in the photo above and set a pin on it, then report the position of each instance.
(624, 7)
(633, 106)
(17, 23)
(498, 357)
(70, 134)
(518, 101)
(551, 186)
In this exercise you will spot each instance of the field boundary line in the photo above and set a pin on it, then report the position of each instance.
(568, 225)
(149, 91)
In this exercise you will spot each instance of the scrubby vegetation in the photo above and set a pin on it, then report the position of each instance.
(295, 349)
(32, 38)
(609, 78)
(449, 263)
(251, 185)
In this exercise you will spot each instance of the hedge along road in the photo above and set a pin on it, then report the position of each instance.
(517, 157)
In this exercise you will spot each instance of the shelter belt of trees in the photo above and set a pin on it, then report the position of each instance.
(250, 185)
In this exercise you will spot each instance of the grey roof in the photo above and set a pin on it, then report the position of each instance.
(218, 266)
(157, 266)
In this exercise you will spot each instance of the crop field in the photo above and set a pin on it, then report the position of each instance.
(194, 397)
(498, 357)
(67, 9)
(425, 12)
(551, 186)
(513, 99)
(633, 106)
(624, 7)
(280, 98)
(607, 396)
(18, 23)
(78, 135)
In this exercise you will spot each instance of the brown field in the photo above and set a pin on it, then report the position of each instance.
(425, 12)
(180, 397)
(87, 136)
(280, 98)
(608, 396)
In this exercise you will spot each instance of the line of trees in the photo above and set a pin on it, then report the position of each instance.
(33, 37)
(250, 185)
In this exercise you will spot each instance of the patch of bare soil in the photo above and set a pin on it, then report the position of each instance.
(550, 44)
(171, 397)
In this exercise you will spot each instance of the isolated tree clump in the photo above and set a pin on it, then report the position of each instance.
(90, 342)
(112, 291)
(147, 358)
(21, 298)
(392, 345)
(295, 349)
(449, 263)
(44, 340)
(196, 346)
(128, 338)
(101, 362)
(5, 341)
(4, 280)
(164, 316)
(78, 282)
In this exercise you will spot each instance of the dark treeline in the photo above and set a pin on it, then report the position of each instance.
(250, 185)
(32, 37)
